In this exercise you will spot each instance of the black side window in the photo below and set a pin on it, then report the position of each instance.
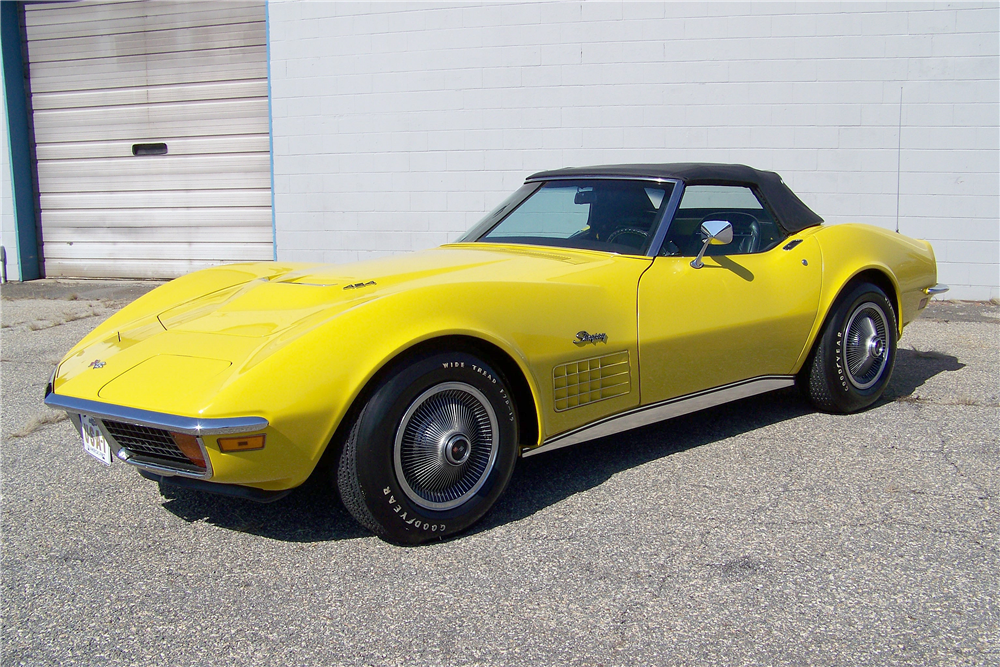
(754, 228)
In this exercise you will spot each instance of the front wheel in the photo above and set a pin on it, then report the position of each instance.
(431, 451)
(855, 354)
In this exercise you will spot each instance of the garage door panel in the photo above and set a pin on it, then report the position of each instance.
(154, 165)
(160, 182)
(153, 116)
(191, 198)
(79, 220)
(140, 132)
(136, 250)
(123, 26)
(248, 143)
(217, 235)
(156, 41)
(38, 16)
(177, 120)
(125, 268)
(192, 76)
(194, 67)
(150, 95)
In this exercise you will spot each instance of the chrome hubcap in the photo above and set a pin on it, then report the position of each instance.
(446, 445)
(865, 345)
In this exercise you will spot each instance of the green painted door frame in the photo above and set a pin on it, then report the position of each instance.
(22, 167)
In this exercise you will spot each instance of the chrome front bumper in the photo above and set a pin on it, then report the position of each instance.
(197, 427)
(167, 422)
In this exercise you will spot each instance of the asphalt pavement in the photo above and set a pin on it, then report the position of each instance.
(757, 533)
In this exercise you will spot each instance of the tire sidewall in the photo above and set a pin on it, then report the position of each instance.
(405, 522)
(847, 396)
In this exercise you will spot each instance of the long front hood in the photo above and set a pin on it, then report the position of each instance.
(267, 306)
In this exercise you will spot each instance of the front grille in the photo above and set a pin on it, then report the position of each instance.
(149, 443)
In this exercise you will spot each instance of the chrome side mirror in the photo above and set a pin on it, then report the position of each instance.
(715, 232)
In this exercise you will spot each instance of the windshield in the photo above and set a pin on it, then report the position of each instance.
(612, 215)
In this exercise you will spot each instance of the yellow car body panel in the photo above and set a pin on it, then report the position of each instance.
(745, 316)
(737, 317)
(851, 249)
(296, 344)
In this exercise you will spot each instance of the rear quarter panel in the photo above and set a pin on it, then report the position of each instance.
(851, 249)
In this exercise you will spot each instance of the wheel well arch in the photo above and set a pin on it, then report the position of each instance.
(880, 279)
(524, 400)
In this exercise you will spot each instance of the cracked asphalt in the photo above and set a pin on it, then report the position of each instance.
(758, 533)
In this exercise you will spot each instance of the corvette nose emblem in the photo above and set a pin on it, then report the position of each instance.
(96, 363)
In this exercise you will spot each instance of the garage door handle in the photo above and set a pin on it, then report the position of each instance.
(149, 149)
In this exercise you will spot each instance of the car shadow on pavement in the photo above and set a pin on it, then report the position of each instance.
(310, 513)
(541, 481)
(313, 513)
(913, 369)
(545, 480)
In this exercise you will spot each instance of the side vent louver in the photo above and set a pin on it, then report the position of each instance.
(591, 380)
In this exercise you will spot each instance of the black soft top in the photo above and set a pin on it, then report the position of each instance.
(792, 214)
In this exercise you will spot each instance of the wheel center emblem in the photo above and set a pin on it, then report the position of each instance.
(457, 449)
(876, 347)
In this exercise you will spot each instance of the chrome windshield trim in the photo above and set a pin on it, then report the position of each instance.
(598, 177)
(937, 289)
(665, 220)
(161, 420)
(674, 407)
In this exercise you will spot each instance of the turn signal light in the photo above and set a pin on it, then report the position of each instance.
(188, 444)
(242, 444)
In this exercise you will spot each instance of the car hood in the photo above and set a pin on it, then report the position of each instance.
(270, 305)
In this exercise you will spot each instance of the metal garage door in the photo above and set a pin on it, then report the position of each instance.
(152, 139)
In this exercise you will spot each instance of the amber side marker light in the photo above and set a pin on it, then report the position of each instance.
(242, 444)
(188, 444)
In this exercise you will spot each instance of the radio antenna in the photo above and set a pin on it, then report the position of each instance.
(899, 151)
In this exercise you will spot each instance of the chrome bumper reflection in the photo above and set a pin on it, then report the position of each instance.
(168, 422)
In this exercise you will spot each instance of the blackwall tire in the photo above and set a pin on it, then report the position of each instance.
(854, 357)
(431, 451)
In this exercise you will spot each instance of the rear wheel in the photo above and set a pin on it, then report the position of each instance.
(855, 354)
(431, 451)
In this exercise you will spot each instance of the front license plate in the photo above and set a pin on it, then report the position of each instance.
(94, 442)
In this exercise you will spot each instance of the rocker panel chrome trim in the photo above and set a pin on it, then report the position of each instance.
(674, 407)
(162, 420)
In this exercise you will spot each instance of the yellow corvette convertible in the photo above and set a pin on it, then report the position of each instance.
(592, 301)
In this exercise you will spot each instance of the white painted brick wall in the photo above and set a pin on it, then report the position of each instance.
(397, 125)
